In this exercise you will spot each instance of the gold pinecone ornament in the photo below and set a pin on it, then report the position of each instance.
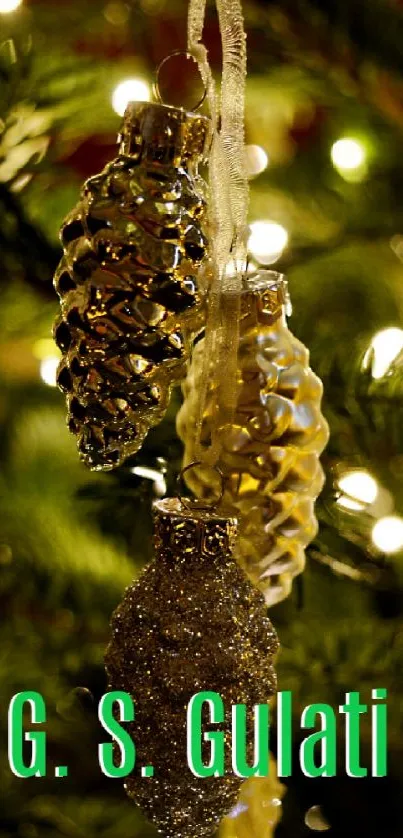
(132, 282)
(192, 622)
(270, 454)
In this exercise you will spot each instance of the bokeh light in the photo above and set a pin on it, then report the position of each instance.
(130, 90)
(387, 534)
(315, 820)
(267, 241)
(256, 160)
(384, 348)
(348, 155)
(7, 6)
(116, 13)
(157, 477)
(349, 503)
(359, 486)
(48, 369)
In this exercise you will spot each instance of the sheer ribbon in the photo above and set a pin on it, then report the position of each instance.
(228, 200)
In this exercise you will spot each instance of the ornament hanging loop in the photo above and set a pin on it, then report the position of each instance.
(156, 85)
(194, 503)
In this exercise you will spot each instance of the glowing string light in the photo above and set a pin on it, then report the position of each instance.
(359, 486)
(387, 534)
(157, 477)
(7, 6)
(349, 503)
(130, 90)
(256, 160)
(348, 154)
(48, 369)
(267, 241)
(384, 348)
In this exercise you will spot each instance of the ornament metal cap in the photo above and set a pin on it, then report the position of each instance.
(264, 296)
(163, 135)
(184, 526)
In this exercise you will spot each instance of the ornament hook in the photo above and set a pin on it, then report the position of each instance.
(194, 503)
(156, 85)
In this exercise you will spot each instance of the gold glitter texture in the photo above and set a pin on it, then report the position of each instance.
(192, 622)
(132, 283)
(270, 453)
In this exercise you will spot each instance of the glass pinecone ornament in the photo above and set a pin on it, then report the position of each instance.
(132, 282)
(191, 622)
(270, 454)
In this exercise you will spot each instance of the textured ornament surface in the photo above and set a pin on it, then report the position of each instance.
(258, 808)
(132, 283)
(270, 454)
(192, 622)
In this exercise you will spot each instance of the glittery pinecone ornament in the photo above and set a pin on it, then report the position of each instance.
(270, 454)
(192, 622)
(132, 282)
(258, 808)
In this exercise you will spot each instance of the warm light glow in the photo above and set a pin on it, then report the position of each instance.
(7, 6)
(267, 241)
(387, 534)
(44, 348)
(131, 90)
(385, 346)
(117, 13)
(349, 503)
(316, 821)
(48, 369)
(160, 486)
(359, 486)
(348, 154)
(256, 160)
